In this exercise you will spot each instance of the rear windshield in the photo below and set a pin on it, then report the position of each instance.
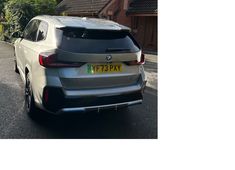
(81, 40)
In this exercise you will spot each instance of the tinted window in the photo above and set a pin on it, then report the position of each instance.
(97, 41)
(42, 31)
(30, 31)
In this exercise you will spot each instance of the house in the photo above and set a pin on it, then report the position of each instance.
(140, 15)
(82, 8)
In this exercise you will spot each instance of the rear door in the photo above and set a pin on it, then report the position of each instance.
(26, 46)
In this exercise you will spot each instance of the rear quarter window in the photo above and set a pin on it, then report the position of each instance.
(31, 29)
(42, 31)
(79, 40)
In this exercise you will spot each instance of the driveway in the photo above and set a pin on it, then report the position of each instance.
(138, 122)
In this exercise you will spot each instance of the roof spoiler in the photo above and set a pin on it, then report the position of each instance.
(84, 28)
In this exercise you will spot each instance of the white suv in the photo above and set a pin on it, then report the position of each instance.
(71, 64)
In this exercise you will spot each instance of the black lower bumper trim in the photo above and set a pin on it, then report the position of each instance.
(103, 100)
(57, 99)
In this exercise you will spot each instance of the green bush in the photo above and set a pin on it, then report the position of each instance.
(1, 37)
(19, 12)
(2, 5)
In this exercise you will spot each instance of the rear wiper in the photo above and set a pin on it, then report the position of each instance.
(118, 49)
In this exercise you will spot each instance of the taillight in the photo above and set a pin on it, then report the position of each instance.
(51, 61)
(135, 62)
(142, 59)
(47, 61)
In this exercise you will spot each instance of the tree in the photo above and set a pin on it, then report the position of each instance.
(19, 12)
(58, 1)
(2, 5)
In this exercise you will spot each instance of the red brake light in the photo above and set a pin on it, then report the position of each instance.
(51, 61)
(142, 59)
(135, 62)
(41, 60)
(47, 61)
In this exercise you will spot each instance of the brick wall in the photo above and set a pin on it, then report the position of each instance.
(117, 13)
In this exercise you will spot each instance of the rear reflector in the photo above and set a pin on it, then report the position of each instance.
(53, 98)
(46, 95)
(51, 61)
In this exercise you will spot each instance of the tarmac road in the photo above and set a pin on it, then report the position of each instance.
(138, 122)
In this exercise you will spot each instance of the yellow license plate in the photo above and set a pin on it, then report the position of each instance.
(103, 68)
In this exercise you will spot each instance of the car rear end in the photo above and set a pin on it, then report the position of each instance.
(92, 69)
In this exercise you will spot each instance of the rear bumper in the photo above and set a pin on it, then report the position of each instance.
(60, 103)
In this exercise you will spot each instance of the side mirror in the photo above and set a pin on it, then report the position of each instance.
(17, 35)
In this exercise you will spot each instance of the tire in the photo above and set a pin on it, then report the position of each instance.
(30, 107)
(15, 67)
